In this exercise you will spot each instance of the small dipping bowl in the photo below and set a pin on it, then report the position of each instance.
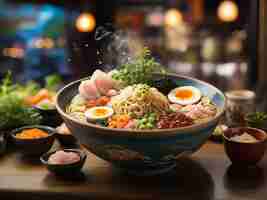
(244, 153)
(35, 146)
(64, 169)
(67, 140)
(65, 137)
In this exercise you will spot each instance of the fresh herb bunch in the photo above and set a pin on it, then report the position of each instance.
(29, 89)
(7, 85)
(52, 82)
(13, 113)
(139, 70)
(256, 119)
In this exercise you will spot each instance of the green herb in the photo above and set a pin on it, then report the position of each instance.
(258, 116)
(13, 113)
(46, 106)
(31, 88)
(7, 86)
(140, 70)
(52, 82)
(256, 119)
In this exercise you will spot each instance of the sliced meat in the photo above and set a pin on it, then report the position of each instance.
(102, 81)
(88, 90)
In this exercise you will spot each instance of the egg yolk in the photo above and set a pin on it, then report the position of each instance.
(184, 94)
(100, 112)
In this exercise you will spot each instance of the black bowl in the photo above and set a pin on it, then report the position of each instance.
(50, 117)
(66, 140)
(63, 169)
(34, 147)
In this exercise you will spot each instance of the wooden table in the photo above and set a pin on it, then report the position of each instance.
(208, 174)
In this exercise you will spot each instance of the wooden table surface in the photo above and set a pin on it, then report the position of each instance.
(207, 174)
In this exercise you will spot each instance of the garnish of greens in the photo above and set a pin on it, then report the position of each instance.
(13, 112)
(147, 122)
(256, 119)
(52, 82)
(139, 70)
(46, 105)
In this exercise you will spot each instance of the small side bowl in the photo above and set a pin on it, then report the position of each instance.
(64, 169)
(241, 153)
(34, 147)
(66, 139)
(50, 117)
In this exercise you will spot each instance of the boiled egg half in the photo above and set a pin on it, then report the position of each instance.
(185, 95)
(98, 113)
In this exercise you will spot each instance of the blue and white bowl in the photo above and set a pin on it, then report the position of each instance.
(143, 151)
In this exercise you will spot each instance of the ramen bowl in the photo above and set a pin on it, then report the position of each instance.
(143, 152)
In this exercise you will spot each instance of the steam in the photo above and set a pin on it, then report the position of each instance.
(115, 47)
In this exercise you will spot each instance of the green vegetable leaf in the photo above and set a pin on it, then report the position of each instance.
(31, 88)
(13, 113)
(6, 85)
(257, 117)
(139, 70)
(52, 82)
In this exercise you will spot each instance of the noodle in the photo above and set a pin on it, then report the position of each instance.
(140, 106)
(138, 100)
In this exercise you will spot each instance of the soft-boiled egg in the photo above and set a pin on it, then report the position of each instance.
(98, 113)
(185, 95)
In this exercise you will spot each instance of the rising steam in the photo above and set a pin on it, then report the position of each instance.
(116, 47)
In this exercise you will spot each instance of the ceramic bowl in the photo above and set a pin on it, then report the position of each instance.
(66, 140)
(241, 153)
(64, 169)
(34, 147)
(143, 151)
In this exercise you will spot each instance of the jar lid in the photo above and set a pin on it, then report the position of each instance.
(240, 94)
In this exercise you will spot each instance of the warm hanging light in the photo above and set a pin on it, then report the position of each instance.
(46, 43)
(85, 22)
(173, 18)
(227, 11)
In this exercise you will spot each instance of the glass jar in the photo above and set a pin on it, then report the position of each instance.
(239, 104)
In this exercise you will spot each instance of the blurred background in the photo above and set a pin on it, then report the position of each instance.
(213, 40)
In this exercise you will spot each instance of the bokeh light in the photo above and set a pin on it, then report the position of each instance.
(43, 43)
(173, 17)
(85, 22)
(228, 11)
(14, 52)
